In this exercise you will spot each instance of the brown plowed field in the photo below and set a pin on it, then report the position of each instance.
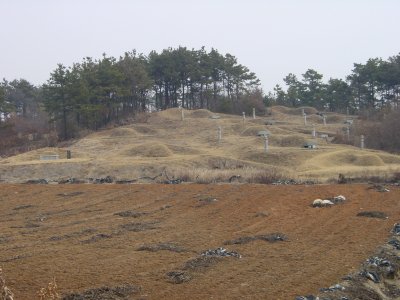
(71, 232)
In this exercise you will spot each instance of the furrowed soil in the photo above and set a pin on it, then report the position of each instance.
(88, 236)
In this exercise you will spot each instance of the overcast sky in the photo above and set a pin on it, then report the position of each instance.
(271, 38)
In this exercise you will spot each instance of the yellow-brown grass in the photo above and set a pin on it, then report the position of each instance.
(5, 292)
(150, 150)
(123, 132)
(293, 140)
(253, 130)
(50, 292)
(166, 141)
(201, 113)
(143, 129)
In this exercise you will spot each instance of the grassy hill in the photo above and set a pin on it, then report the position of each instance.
(189, 149)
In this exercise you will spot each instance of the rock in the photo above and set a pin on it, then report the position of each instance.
(309, 297)
(220, 252)
(322, 203)
(107, 179)
(396, 229)
(374, 277)
(378, 262)
(173, 181)
(339, 199)
(70, 180)
(37, 181)
(333, 288)
(395, 244)
(317, 203)
(327, 203)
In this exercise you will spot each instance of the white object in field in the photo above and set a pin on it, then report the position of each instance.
(266, 143)
(362, 142)
(254, 113)
(327, 202)
(313, 132)
(219, 134)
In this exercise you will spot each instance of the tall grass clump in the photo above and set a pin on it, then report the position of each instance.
(244, 175)
(5, 292)
(50, 292)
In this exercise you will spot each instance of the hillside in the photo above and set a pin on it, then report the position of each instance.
(189, 149)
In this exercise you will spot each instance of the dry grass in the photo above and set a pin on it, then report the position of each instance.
(201, 113)
(5, 292)
(123, 132)
(165, 141)
(293, 140)
(150, 150)
(50, 292)
(244, 175)
(253, 130)
(98, 268)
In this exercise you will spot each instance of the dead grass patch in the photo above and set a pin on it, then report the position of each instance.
(272, 238)
(201, 263)
(73, 235)
(178, 277)
(123, 132)
(245, 175)
(373, 214)
(162, 246)
(96, 238)
(13, 258)
(3, 239)
(150, 150)
(5, 292)
(292, 140)
(105, 293)
(50, 292)
(136, 227)
(143, 129)
(23, 207)
(253, 130)
(205, 200)
(130, 213)
(201, 113)
(71, 194)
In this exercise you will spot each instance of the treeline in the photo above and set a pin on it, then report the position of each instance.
(372, 86)
(93, 93)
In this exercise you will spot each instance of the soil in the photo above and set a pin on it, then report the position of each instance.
(80, 239)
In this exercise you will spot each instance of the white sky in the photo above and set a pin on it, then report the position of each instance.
(271, 38)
